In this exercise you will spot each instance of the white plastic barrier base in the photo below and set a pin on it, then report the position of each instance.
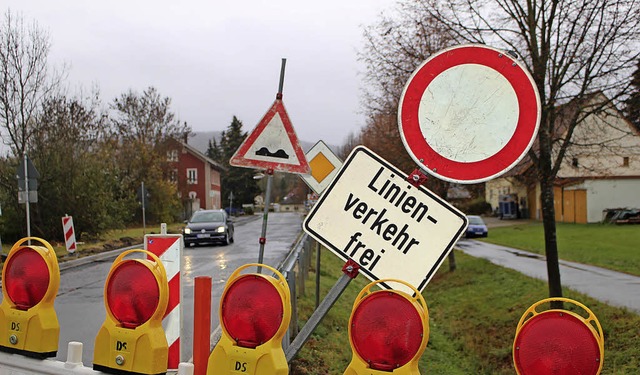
(15, 364)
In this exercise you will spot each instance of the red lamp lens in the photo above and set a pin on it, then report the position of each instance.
(559, 343)
(133, 294)
(26, 278)
(252, 310)
(386, 330)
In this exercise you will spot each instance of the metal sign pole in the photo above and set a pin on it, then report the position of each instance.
(281, 84)
(350, 271)
(143, 195)
(26, 195)
(265, 216)
(317, 274)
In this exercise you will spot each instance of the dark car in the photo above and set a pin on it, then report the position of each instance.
(234, 211)
(477, 227)
(208, 226)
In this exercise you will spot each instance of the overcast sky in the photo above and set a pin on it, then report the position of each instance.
(217, 59)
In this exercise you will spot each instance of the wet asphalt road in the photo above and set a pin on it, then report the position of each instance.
(80, 305)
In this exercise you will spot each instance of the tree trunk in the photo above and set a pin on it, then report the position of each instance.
(452, 261)
(550, 238)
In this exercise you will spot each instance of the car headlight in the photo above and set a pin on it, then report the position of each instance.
(220, 230)
(187, 230)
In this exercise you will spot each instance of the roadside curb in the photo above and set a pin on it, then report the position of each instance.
(72, 263)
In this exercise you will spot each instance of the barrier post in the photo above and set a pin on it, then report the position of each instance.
(169, 248)
(201, 324)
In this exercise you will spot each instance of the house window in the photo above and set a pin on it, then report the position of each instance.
(172, 156)
(574, 162)
(625, 161)
(192, 176)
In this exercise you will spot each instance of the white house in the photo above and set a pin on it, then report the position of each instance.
(601, 170)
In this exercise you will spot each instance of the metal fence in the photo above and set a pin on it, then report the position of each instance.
(295, 268)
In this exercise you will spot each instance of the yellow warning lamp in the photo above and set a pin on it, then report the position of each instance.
(131, 339)
(28, 322)
(388, 331)
(255, 311)
(558, 341)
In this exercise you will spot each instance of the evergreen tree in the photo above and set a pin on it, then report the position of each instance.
(633, 102)
(238, 181)
(214, 151)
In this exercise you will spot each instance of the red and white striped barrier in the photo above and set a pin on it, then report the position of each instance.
(69, 234)
(168, 247)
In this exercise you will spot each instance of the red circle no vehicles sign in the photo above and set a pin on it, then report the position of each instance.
(469, 113)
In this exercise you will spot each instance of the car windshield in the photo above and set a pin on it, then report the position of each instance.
(207, 217)
(475, 220)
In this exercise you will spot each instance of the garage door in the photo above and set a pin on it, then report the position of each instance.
(581, 206)
(574, 206)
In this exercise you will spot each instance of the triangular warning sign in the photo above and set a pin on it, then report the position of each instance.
(273, 144)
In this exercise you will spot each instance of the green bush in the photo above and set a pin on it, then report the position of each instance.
(477, 206)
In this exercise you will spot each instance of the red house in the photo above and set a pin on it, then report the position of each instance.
(197, 177)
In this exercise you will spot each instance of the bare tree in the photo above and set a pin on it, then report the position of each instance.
(393, 47)
(146, 118)
(573, 49)
(142, 125)
(26, 79)
(632, 104)
(351, 141)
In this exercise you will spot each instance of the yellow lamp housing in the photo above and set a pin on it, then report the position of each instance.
(28, 321)
(558, 340)
(388, 331)
(131, 339)
(255, 311)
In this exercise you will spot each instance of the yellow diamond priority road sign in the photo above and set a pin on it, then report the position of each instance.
(324, 166)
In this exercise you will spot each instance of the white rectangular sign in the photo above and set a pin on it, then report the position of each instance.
(394, 230)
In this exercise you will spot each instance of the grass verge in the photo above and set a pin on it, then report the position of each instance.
(609, 246)
(473, 311)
